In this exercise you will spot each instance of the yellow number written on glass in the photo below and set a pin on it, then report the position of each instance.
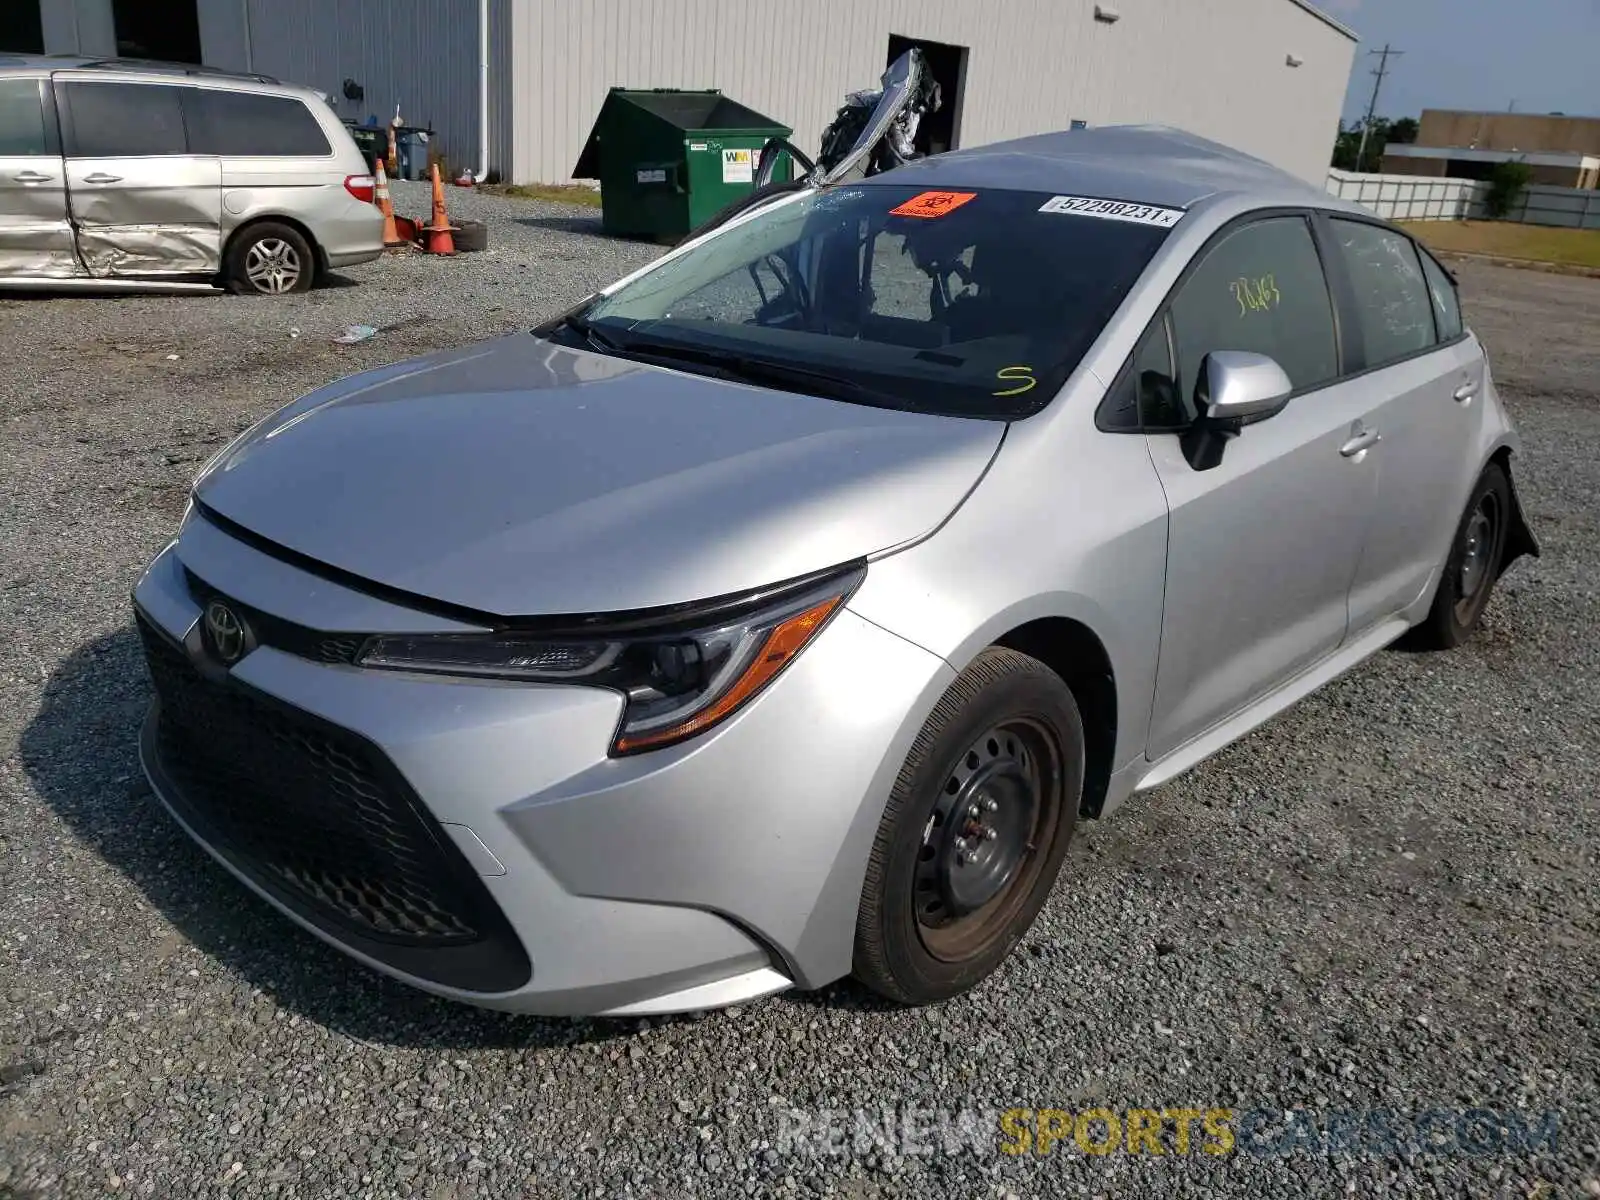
(1256, 295)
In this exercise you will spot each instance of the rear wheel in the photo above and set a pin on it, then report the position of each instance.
(1472, 568)
(270, 259)
(974, 832)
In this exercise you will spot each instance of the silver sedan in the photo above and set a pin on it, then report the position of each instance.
(777, 613)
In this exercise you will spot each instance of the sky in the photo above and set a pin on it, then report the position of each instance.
(1544, 55)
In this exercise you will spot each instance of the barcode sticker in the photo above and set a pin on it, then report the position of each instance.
(1114, 210)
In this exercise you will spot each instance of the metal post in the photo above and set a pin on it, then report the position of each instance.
(483, 91)
(1383, 69)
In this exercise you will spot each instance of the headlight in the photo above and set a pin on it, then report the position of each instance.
(681, 675)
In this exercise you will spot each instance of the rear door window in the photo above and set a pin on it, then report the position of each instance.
(1393, 309)
(250, 125)
(123, 120)
(22, 131)
(1260, 289)
(1446, 300)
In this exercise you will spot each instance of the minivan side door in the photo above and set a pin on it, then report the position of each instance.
(1261, 547)
(1422, 372)
(35, 231)
(142, 203)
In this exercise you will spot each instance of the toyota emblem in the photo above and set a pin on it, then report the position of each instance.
(226, 633)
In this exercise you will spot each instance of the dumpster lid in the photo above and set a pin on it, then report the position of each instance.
(707, 111)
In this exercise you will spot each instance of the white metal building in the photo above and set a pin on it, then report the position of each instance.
(1267, 76)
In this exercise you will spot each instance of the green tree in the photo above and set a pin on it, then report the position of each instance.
(1507, 182)
(1384, 131)
(1404, 131)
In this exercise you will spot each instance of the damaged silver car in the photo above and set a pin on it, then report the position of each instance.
(780, 611)
(117, 175)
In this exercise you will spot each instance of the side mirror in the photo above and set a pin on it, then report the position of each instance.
(1236, 388)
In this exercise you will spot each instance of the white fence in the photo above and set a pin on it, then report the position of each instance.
(1410, 197)
(1429, 198)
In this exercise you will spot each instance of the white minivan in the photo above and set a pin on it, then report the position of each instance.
(118, 174)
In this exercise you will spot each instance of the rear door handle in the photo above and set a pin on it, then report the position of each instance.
(102, 177)
(1466, 391)
(1365, 440)
(32, 177)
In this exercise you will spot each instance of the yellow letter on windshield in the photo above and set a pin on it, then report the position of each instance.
(1025, 374)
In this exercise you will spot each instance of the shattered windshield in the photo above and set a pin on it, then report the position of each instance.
(971, 303)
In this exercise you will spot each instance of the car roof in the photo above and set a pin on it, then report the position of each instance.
(138, 66)
(1143, 164)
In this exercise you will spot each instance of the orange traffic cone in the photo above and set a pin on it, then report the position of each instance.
(391, 232)
(440, 239)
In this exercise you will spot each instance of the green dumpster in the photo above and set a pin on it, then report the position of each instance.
(667, 160)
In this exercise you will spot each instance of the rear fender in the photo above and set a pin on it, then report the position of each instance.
(1520, 538)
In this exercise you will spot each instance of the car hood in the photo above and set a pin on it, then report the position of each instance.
(517, 477)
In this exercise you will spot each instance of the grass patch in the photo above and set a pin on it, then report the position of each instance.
(557, 193)
(1508, 239)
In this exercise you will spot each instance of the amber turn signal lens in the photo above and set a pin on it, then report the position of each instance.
(785, 641)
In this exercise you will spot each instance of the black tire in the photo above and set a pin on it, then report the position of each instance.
(278, 256)
(471, 236)
(1473, 566)
(1008, 726)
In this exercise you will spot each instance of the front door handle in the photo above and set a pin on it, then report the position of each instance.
(1365, 440)
(32, 177)
(1466, 392)
(102, 177)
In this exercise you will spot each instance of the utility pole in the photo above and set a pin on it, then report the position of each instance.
(1384, 56)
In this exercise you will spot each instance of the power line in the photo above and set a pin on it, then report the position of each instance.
(1384, 56)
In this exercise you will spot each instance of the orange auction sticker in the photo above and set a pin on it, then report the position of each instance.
(932, 204)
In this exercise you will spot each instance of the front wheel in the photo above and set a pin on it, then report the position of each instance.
(1472, 567)
(974, 833)
(270, 260)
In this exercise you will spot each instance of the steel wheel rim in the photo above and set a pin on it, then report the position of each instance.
(1479, 539)
(986, 839)
(272, 266)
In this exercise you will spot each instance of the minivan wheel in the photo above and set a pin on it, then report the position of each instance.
(1472, 567)
(270, 260)
(974, 833)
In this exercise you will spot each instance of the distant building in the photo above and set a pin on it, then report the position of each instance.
(1562, 151)
(1265, 76)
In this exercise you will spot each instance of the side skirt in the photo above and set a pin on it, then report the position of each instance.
(1142, 774)
(79, 283)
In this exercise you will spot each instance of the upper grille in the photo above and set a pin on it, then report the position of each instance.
(334, 648)
(321, 818)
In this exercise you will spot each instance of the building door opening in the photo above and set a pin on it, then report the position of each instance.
(21, 27)
(939, 131)
(168, 30)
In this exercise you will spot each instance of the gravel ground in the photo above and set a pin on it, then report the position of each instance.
(1386, 899)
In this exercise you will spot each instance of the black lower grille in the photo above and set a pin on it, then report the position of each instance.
(319, 817)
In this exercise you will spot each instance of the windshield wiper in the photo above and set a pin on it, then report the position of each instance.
(585, 328)
(761, 372)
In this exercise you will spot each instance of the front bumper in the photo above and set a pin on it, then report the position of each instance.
(705, 874)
